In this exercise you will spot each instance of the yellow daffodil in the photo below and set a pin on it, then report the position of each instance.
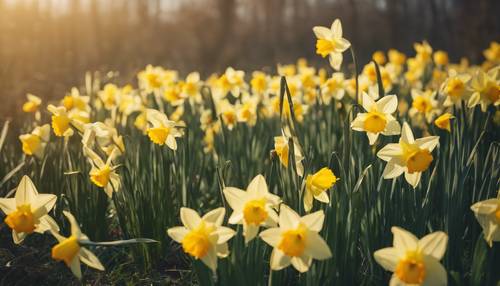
(227, 112)
(396, 57)
(296, 241)
(316, 186)
(414, 261)
(28, 211)
(443, 121)
(424, 104)
(61, 121)
(32, 104)
(485, 88)
(424, 51)
(109, 96)
(34, 143)
(259, 82)
(247, 111)
(70, 251)
(281, 147)
(103, 174)
(409, 156)
(333, 88)
(191, 88)
(454, 88)
(161, 130)
(74, 100)
(379, 57)
(330, 43)
(152, 78)
(378, 119)
(441, 58)
(232, 81)
(488, 215)
(204, 237)
(252, 208)
(492, 54)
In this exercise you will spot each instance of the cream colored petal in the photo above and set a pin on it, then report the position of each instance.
(392, 128)
(89, 258)
(271, 236)
(75, 228)
(407, 134)
(435, 274)
(317, 247)
(434, 244)
(323, 197)
(47, 223)
(336, 29)
(288, 218)
(171, 143)
(322, 32)
(224, 234)
(486, 207)
(250, 231)
(235, 197)
(18, 237)
(222, 250)
(388, 258)
(403, 239)
(341, 45)
(358, 124)
(413, 179)
(301, 263)
(279, 260)
(314, 221)
(388, 104)
(372, 137)
(177, 233)
(215, 216)
(273, 199)
(396, 282)
(429, 142)
(308, 200)
(336, 60)
(26, 191)
(210, 259)
(257, 187)
(236, 218)
(75, 268)
(42, 204)
(190, 218)
(390, 151)
(392, 171)
(8, 205)
(367, 101)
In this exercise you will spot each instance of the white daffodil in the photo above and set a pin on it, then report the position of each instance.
(34, 143)
(485, 88)
(103, 174)
(203, 237)
(316, 186)
(71, 252)
(252, 208)
(162, 131)
(409, 156)
(27, 211)
(414, 261)
(296, 241)
(378, 119)
(488, 215)
(330, 43)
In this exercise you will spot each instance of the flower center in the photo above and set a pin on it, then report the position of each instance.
(324, 47)
(455, 88)
(158, 134)
(493, 93)
(321, 181)
(293, 242)
(411, 269)
(153, 80)
(31, 143)
(229, 117)
(66, 250)
(375, 122)
(60, 124)
(21, 220)
(196, 242)
(101, 177)
(68, 102)
(254, 211)
(422, 104)
(418, 160)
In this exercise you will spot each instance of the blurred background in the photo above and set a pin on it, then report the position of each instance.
(46, 46)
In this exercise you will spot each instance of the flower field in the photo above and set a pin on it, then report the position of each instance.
(377, 173)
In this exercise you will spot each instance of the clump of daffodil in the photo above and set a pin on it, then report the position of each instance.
(485, 88)
(252, 208)
(443, 121)
(330, 43)
(424, 104)
(71, 252)
(316, 186)
(414, 261)
(61, 121)
(296, 241)
(204, 237)
(103, 174)
(378, 118)
(34, 143)
(281, 147)
(409, 156)
(161, 130)
(33, 103)
(454, 88)
(28, 211)
(488, 215)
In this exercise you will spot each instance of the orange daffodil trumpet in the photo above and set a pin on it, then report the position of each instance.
(330, 43)
(316, 187)
(296, 241)
(378, 119)
(409, 156)
(488, 215)
(28, 211)
(252, 208)
(162, 131)
(103, 174)
(204, 237)
(414, 261)
(71, 252)
(34, 143)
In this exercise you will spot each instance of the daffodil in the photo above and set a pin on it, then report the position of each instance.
(379, 57)
(443, 121)
(105, 136)
(253, 208)
(424, 104)
(330, 43)
(414, 261)
(109, 96)
(74, 100)
(441, 58)
(485, 88)
(281, 147)
(259, 82)
(454, 88)
(296, 241)
(161, 130)
(316, 186)
(61, 121)
(32, 104)
(103, 174)
(247, 111)
(227, 112)
(424, 51)
(204, 237)
(492, 54)
(151, 78)
(488, 215)
(377, 119)
(232, 81)
(191, 88)
(409, 156)
(28, 211)
(333, 88)
(70, 251)
(34, 143)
